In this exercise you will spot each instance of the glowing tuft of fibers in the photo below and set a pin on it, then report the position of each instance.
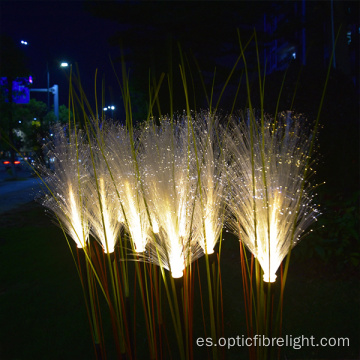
(122, 162)
(270, 203)
(169, 176)
(103, 211)
(210, 211)
(76, 220)
(66, 182)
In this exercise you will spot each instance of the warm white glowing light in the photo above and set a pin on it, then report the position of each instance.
(103, 210)
(155, 226)
(269, 278)
(66, 199)
(210, 199)
(76, 230)
(134, 219)
(109, 236)
(177, 180)
(177, 269)
(269, 210)
(131, 207)
(209, 231)
(167, 163)
(121, 218)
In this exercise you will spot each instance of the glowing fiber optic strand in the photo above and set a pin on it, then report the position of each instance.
(170, 182)
(102, 205)
(131, 206)
(268, 228)
(210, 211)
(66, 180)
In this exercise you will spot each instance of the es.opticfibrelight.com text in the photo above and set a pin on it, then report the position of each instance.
(295, 342)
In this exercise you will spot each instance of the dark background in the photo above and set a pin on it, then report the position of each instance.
(89, 33)
(322, 293)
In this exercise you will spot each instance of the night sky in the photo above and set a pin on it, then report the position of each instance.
(59, 31)
(89, 33)
(69, 31)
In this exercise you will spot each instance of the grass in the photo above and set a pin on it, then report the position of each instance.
(42, 310)
(43, 315)
(322, 303)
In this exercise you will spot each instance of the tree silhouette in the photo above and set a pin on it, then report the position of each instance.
(12, 66)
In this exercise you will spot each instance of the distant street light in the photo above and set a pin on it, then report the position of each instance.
(54, 90)
(110, 107)
(24, 42)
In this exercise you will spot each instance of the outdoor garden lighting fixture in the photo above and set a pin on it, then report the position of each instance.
(102, 202)
(134, 214)
(211, 172)
(102, 207)
(167, 188)
(65, 195)
(76, 230)
(270, 202)
(169, 178)
(129, 198)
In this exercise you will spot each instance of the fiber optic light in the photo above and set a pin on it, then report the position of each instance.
(177, 265)
(155, 226)
(269, 277)
(210, 240)
(176, 273)
(278, 210)
(134, 219)
(76, 230)
(109, 237)
(209, 251)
